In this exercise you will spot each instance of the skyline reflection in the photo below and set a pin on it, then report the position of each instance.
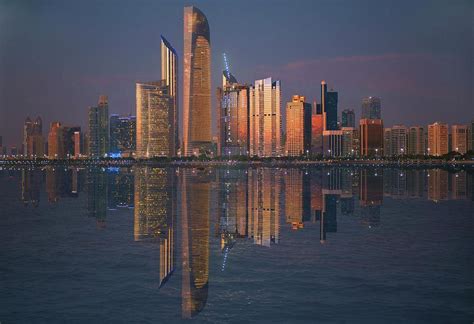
(177, 211)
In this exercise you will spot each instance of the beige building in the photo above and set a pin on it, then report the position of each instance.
(197, 83)
(459, 138)
(55, 141)
(265, 118)
(437, 139)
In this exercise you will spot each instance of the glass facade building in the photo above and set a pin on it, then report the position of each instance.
(169, 73)
(197, 136)
(99, 128)
(371, 108)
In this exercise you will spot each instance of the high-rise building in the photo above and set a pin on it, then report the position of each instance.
(348, 118)
(197, 83)
(437, 139)
(69, 140)
(332, 143)
(317, 128)
(265, 118)
(99, 128)
(56, 141)
(459, 137)
(169, 73)
(329, 107)
(77, 144)
(232, 117)
(395, 140)
(33, 142)
(371, 137)
(298, 127)
(350, 141)
(371, 108)
(122, 134)
(416, 140)
(471, 136)
(155, 120)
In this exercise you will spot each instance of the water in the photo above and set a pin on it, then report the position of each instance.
(236, 245)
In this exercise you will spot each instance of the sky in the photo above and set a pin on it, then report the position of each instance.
(58, 56)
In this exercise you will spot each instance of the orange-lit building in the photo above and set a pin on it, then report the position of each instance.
(371, 137)
(55, 141)
(298, 127)
(437, 139)
(317, 128)
(197, 136)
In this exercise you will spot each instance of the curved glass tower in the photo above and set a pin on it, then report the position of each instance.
(196, 83)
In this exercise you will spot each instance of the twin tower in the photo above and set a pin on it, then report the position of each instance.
(157, 101)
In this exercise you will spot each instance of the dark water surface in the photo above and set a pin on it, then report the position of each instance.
(236, 245)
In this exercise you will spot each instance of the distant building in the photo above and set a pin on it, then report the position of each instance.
(99, 128)
(350, 141)
(55, 141)
(437, 139)
(232, 117)
(77, 144)
(460, 136)
(265, 118)
(395, 141)
(371, 108)
(371, 137)
(298, 127)
(122, 134)
(33, 141)
(471, 136)
(69, 140)
(416, 141)
(348, 118)
(317, 128)
(196, 83)
(332, 143)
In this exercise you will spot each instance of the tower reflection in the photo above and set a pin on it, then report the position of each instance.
(195, 190)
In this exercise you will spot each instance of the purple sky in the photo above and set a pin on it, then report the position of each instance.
(57, 56)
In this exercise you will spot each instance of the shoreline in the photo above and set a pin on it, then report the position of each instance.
(411, 163)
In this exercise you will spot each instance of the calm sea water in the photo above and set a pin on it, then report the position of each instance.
(220, 245)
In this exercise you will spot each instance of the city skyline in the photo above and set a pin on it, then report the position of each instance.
(117, 77)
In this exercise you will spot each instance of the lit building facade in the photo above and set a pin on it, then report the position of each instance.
(33, 142)
(459, 138)
(317, 128)
(298, 127)
(155, 120)
(123, 134)
(416, 140)
(169, 73)
(99, 128)
(395, 141)
(371, 108)
(265, 118)
(232, 117)
(55, 141)
(437, 139)
(197, 83)
(371, 137)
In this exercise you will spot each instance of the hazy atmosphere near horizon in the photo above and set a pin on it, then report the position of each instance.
(57, 57)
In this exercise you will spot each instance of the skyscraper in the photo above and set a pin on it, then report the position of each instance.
(437, 139)
(298, 127)
(122, 134)
(348, 118)
(27, 131)
(329, 107)
(169, 73)
(350, 141)
(155, 120)
(416, 141)
(232, 117)
(99, 128)
(265, 118)
(371, 108)
(371, 137)
(459, 135)
(33, 142)
(197, 83)
(55, 141)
